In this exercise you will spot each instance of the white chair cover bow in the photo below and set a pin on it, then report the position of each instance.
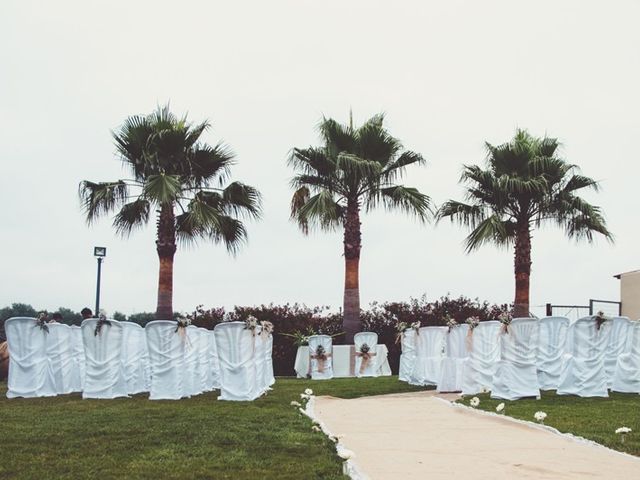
(485, 351)
(552, 340)
(60, 353)
(618, 345)
(366, 367)
(321, 369)
(166, 358)
(104, 375)
(454, 360)
(429, 353)
(408, 355)
(135, 358)
(583, 372)
(29, 369)
(516, 372)
(236, 353)
(627, 376)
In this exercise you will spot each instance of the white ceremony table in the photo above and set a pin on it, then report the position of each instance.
(344, 360)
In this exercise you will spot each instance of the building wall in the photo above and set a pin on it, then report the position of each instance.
(630, 295)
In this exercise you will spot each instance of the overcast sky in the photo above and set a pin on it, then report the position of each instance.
(449, 76)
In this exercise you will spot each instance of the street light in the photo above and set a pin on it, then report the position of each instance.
(99, 253)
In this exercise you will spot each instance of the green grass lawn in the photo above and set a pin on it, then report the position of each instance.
(197, 438)
(592, 418)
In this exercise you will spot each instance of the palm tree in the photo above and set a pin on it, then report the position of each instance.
(525, 185)
(352, 170)
(182, 179)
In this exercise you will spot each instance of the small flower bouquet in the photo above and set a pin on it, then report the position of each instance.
(182, 323)
(473, 322)
(41, 321)
(600, 319)
(102, 321)
(365, 353)
(540, 416)
(400, 328)
(416, 326)
(321, 356)
(251, 323)
(450, 322)
(505, 320)
(267, 328)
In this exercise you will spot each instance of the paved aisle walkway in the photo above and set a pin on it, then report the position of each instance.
(416, 436)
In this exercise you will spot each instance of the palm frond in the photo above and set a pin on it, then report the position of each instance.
(98, 199)
(162, 189)
(320, 210)
(491, 230)
(408, 200)
(131, 215)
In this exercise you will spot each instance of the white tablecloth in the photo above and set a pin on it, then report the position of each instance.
(343, 361)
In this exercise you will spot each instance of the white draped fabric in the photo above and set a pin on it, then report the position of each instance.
(627, 375)
(236, 353)
(214, 363)
(455, 358)
(261, 361)
(270, 379)
(135, 358)
(370, 367)
(321, 369)
(59, 348)
(618, 345)
(166, 358)
(485, 352)
(104, 375)
(191, 377)
(516, 372)
(78, 353)
(29, 368)
(583, 371)
(343, 361)
(552, 339)
(203, 360)
(408, 355)
(429, 353)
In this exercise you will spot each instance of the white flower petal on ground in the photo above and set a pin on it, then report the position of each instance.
(500, 407)
(475, 401)
(308, 391)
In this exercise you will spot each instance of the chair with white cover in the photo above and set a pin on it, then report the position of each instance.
(166, 346)
(29, 368)
(627, 376)
(366, 364)
(583, 372)
(191, 378)
(270, 379)
(104, 372)
(236, 354)
(516, 374)
(78, 353)
(321, 361)
(408, 355)
(429, 353)
(456, 354)
(552, 340)
(260, 342)
(618, 345)
(203, 359)
(483, 355)
(60, 354)
(134, 358)
(214, 362)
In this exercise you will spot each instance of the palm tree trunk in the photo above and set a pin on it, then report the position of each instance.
(166, 247)
(352, 245)
(522, 269)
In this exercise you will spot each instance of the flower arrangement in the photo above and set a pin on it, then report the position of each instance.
(473, 322)
(41, 321)
(474, 402)
(365, 353)
(623, 431)
(450, 322)
(505, 320)
(102, 321)
(321, 356)
(540, 416)
(250, 323)
(400, 328)
(600, 319)
(182, 323)
(416, 326)
(500, 408)
(267, 329)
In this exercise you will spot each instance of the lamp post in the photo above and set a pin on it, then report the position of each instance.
(99, 253)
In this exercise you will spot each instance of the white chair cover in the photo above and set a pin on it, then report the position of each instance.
(327, 367)
(236, 353)
(59, 346)
(516, 374)
(191, 379)
(214, 363)
(135, 358)
(583, 371)
(552, 339)
(203, 359)
(455, 358)
(104, 375)
(408, 355)
(429, 353)
(270, 379)
(485, 352)
(166, 358)
(29, 369)
(618, 345)
(261, 361)
(78, 353)
(627, 376)
(371, 369)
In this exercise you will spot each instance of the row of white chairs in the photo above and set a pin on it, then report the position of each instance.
(125, 359)
(322, 369)
(577, 358)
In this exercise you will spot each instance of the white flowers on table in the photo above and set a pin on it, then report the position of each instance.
(540, 416)
(308, 391)
(474, 402)
(622, 431)
(500, 408)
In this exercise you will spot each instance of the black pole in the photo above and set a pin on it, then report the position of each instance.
(98, 287)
